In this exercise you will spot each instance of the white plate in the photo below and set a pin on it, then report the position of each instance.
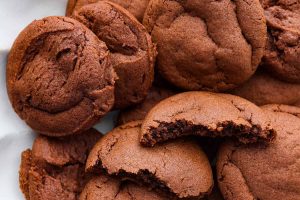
(15, 136)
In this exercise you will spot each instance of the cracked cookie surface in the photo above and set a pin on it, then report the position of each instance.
(177, 169)
(135, 7)
(268, 172)
(194, 54)
(132, 51)
(108, 188)
(262, 89)
(283, 47)
(59, 77)
(54, 168)
(206, 114)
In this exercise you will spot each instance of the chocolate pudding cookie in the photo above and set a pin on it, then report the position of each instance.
(60, 80)
(194, 54)
(263, 88)
(108, 188)
(206, 114)
(283, 47)
(139, 112)
(135, 7)
(263, 172)
(54, 168)
(132, 51)
(178, 169)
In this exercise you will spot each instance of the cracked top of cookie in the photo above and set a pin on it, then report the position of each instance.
(132, 51)
(54, 168)
(282, 51)
(59, 76)
(135, 7)
(109, 188)
(206, 114)
(207, 44)
(177, 169)
(269, 172)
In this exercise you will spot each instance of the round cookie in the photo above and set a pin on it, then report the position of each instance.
(194, 54)
(178, 169)
(108, 188)
(54, 168)
(135, 7)
(264, 89)
(132, 51)
(206, 114)
(139, 112)
(59, 77)
(263, 172)
(282, 52)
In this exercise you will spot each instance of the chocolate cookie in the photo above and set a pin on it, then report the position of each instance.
(206, 114)
(178, 169)
(135, 7)
(108, 188)
(133, 53)
(139, 112)
(283, 48)
(194, 54)
(263, 172)
(54, 168)
(293, 5)
(283, 109)
(59, 77)
(264, 89)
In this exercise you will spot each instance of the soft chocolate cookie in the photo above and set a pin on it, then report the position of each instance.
(108, 188)
(283, 47)
(206, 114)
(54, 168)
(207, 45)
(263, 172)
(177, 169)
(59, 77)
(264, 89)
(133, 53)
(135, 7)
(139, 112)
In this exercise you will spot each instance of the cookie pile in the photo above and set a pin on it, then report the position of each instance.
(188, 77)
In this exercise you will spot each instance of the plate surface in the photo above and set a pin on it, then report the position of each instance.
(15, 136)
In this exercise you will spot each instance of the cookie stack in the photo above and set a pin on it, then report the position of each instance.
(166, 65)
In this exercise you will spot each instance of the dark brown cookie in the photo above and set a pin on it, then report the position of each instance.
(206, 114)
(135, 7)
(59, 77)
(264, 89)
(108, 188)
(139, 112)
(178, 169)
(133, 53)
(283, 47)
(263, 172)
(194, 54)
(54, 168)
